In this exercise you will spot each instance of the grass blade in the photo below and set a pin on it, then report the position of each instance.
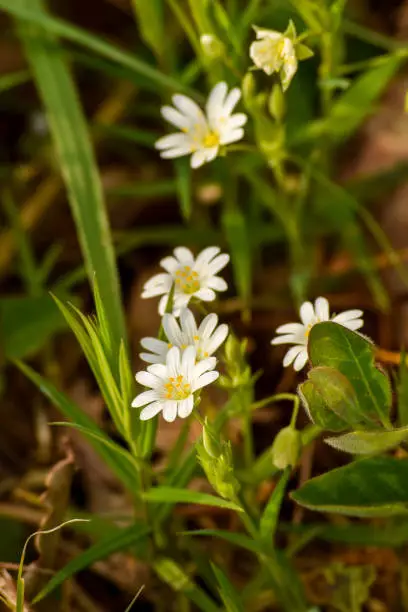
(77, 162)
(187, 496)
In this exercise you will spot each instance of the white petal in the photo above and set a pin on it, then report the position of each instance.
(322, 309)
(154, 292)
(181, 300)
(145, 398)
(265, 33)
(153, 344)
(215, 100)
(206, 255)
(172, 329)
(231, 136)
(187, 362)
(354, 324)
(170, 264)
(173, 153)
(217, 283)
(307, 313)
(288, 71)
(300, 361)
(175, 117)
(163, 303)
(347, 315)
(159, 370)
(148, 379)
(205, 379)
(170, 411)
(290, 328)
(206, 295)
(152, 357)
(173, 362)
(236, 121)
(158, 280)
(211, 153)
(286, 339)
(190, 108)
(185, 407)
(291, 355)
(217, 339)
(151, 410)
(188, 324)
(198, 158)
(231, 100)
(184, 255)
(207, 326)
(218, 263)
(172, 141)
(203, 366)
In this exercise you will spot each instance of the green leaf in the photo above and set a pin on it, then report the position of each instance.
(186, 496)
(333, 345)
(107, 546)
(236, 230)
(368, 442)
(269, 519)
(27, 323)
(236, 539)
(303, 52)
(172, 574)
(402, 391)
(150, 18)
(77, 161)
(317, 409)
(183, 181)
(59, 27)
(12, 79)
(377, 486)
(230, 596)
(122, 468)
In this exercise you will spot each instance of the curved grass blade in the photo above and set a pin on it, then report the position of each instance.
(186, 496)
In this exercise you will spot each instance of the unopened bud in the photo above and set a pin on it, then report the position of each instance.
(220, 470)
(212, 47)
(248, 88)
(286, 448)
(211, 444)
(276, 103)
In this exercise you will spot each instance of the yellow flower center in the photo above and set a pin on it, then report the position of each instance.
(177, 388)
(211, 140)
(186, 280)
(309, 327)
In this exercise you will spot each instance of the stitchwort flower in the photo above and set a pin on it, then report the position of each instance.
(298, 333)
(206, 338)
(202, 134)
(173, 384)
(192, 278)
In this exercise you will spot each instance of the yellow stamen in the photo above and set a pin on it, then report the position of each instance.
(211, 140)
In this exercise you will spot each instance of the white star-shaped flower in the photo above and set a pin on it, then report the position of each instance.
(274, 52)
(173, 384)
(298, 333)
(202, 134)
(206, 338)
(192, 278)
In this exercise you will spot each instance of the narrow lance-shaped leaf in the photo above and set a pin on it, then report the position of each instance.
(230, 596)
(187, 496)
(269, 519)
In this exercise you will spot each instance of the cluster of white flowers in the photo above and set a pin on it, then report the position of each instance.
(184, 363)
(204, 134)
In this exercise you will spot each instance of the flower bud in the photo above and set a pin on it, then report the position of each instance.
(220, 470)
(276, 103)
(248, 88)
(210, 442)
(212, 47)
(286, 448)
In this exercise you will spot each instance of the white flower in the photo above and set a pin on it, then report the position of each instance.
(274, 52)
(201, 133)
(298, 333)
(172, 386)
(192, 277)
(206, 339)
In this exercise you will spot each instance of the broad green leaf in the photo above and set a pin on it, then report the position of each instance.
(186, 496)
(59, 27)
(183, 182)
(150, 18)
(236, 539)
(338, 395)
(123, 540)
(76, 160)
(368, 442)
(172, 574)
(74, 413)
(317, 409)
(269, 518)
(377, 486)
(402, 391)
(333, 345)
(27, 323)
(230, 596)
(236, 231)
